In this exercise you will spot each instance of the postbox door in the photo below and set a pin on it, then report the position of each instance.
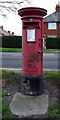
(32, 58)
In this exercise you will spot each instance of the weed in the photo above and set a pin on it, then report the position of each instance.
(54, 110)
(5, 92)
(5, 109)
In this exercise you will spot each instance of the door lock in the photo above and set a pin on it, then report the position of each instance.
(38, 51)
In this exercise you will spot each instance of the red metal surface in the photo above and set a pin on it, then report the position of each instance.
(32, 52)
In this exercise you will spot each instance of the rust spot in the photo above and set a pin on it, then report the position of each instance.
(32, 60)
(34, 57)
(31, 66)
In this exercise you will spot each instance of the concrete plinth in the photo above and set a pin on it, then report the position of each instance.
(24, 106)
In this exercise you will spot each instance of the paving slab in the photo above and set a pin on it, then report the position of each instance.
(24, 106)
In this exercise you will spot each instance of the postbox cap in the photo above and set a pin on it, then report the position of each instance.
(32, 12)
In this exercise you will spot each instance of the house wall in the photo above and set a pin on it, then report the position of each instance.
(50, 32)
(59, 29)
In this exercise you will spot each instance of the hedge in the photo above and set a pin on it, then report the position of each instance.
(53, 43)
(16, 42)
(11, 41)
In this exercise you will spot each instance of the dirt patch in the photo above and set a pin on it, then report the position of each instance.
(13, 84)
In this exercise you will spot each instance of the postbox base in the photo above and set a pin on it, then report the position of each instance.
(32, 85)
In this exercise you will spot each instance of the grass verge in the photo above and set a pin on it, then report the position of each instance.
(46, 50)
(10, 50)
(53, 74)
(54, 110)
(5, 109)
(20, 50)
(4, 73)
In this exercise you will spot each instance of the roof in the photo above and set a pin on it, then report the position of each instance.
(3, 32)
(54, 17)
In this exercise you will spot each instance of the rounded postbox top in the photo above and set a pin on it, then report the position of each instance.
(32, 12)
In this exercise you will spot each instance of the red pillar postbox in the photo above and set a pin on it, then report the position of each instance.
(32, 46)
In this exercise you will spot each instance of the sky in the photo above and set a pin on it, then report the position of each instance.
(13, 21)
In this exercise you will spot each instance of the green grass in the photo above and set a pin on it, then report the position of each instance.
(0, 74)
(55, 74)
(5, 106)
(10, 49)
(46, 50)
(20, 50)
(52, 74)
(0, 104)
(4, 73)
(0, 94)
(5, 92)
(54, 110)
(5, 109)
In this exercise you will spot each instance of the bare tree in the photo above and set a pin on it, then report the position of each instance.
(11, 6)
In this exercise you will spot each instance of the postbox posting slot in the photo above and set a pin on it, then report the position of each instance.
(34, 24)
(31, 23)
(31, 35)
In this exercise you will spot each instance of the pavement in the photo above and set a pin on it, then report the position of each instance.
(27, 106)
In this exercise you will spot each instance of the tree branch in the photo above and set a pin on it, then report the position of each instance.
(10, 6)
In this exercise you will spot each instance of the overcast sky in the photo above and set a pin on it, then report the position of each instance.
(14, 23)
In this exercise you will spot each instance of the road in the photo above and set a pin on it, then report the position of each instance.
(14, 60)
